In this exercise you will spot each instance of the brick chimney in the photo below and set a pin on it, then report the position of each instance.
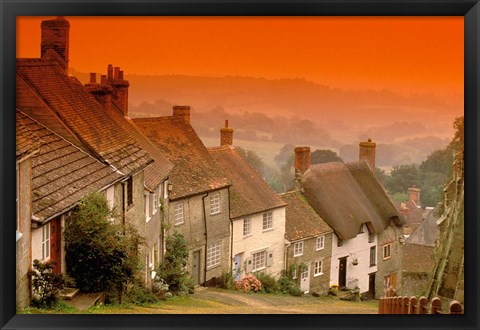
(102, 91)
(226, 135)
(367, 152)
(55, 36)
(182, 111)
(414, 194)
(302, 160)
(120, 88)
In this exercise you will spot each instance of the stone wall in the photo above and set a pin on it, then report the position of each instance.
(389, 266)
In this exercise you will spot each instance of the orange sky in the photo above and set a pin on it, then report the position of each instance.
(404, 54)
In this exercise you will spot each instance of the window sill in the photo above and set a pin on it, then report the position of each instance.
(148, 219)
(373, 265)
(18, 235)
(320, 249)
(215, 213)
(297, 255)
(317, 275)
(247, 236)
(259, 269)
(215, 266)
(178, 224)
(387, 258)
(268, 229)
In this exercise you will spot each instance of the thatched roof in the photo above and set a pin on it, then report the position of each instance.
(348, 195)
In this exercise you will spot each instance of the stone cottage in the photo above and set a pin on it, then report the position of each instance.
(309, 244)
(198, 194)
(257, 213)
(366, 247)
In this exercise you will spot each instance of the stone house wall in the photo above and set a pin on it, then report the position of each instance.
(391, 266)
(318, 283)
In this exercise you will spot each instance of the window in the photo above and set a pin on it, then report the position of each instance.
(151, 257)
(267, 221)
(247, 227)
(294, 271)
(213, 254)
(46, 242)
(371, 238)
(18, 234)
(373, 255)
(178, 214)
(320, 242)
(215, 203)
(386, 251)
(259, 260)
(165, 189)
(298, 249)
(155, 202)
(318, 268)
(339, 242)
(360, 231)
(129, 191)
(147, 207)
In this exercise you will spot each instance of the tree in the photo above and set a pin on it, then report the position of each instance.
(402, 178)
(284, 154)
(324, 156)
(253, 159)
(439, 161)
(100, 255)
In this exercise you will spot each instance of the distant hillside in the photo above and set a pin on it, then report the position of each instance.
(297, 111)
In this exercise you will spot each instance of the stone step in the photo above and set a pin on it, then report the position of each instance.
(69, 293)
(84, 301)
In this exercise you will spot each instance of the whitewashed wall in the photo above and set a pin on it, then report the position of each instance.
(359, 248)
(271, 240)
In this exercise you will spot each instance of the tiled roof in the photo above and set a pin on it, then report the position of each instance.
(194, 170)
(157, 171)
(61, 173)
(84, 121)
(413, 216)
(249, 193)
(27, 141)
(347, 195)
(301, 219)
(418, 258)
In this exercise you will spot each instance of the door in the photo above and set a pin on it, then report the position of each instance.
(196, 267)
(305, 280)
(342, 272)
(56, 244)
(237, 261)
(371, 285)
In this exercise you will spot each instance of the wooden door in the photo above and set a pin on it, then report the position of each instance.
(342, 272)
(371, 285)
(196, 267)
(56, 244)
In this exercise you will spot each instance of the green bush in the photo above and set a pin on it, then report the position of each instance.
(269, 283)
(289, 286)
(100, 255)
(45, 283)
(172, 269)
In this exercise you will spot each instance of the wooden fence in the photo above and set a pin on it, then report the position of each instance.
(412, 305)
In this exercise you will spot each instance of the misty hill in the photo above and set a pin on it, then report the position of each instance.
(301, 112)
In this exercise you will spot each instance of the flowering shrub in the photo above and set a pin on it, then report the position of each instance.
(249, 283)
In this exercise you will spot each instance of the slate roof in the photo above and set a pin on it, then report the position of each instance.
(301, 219)
(249, 193)
(194, 170)
(347, 195)
(418, 258)
(413, 216)
(61, 173)
(75, 114)
(427, 232)
(27, 141)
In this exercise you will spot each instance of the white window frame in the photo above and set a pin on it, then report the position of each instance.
(298, 249)
(155, 202)
(215, 203)
(178, 214)
(18, 232)
(259, 261)
(387, 251)
(46, 235)
(267, 221)
(247, 227)
(374, 255)
(147, 207)
(151, 256)
(318, 268)
(214, 252)
(165, 189)
(320, 243)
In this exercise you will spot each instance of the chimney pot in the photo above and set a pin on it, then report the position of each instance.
(302, 160)
(226, 135)
(414, 194)
(93, 77)
(182, 111)
(110, 72)
(115, 72)
(120, 75)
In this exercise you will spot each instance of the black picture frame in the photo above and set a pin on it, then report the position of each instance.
(9, 9)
